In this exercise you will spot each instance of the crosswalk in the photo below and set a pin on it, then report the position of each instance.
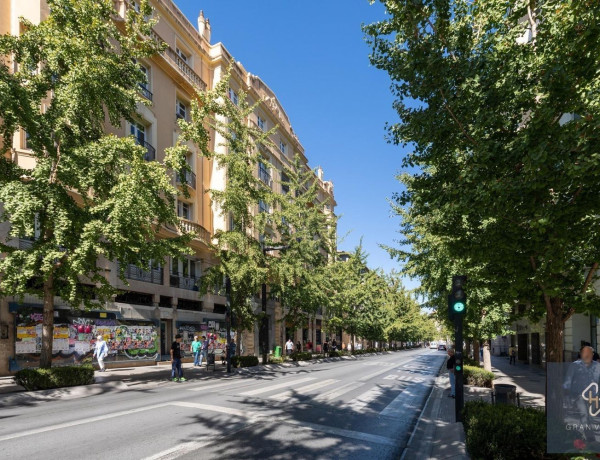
(390, 390)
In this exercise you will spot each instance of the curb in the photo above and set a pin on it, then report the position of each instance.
(414, 431)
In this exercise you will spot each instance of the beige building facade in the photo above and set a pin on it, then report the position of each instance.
(160, 301)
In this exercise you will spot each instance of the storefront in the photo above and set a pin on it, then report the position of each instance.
(75, 335)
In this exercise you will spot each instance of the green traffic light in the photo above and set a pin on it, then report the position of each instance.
(459, 307)
(458, 368)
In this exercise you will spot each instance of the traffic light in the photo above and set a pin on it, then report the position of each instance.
(457, 301)
(458, 362)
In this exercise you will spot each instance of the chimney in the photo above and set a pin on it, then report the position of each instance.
(204, 26)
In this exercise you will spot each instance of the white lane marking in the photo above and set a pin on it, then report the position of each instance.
(403, 402)
(253, 417)
(82, 421)
(219, 385)
(363, 400)
(275, 387)
(374, 374)
(337, 392)
(302, 391)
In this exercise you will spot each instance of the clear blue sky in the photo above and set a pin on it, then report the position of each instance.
(313, 55)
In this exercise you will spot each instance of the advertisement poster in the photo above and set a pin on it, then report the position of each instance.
(189, 330)
(74, 338)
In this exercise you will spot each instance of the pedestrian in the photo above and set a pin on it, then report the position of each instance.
(196, 349)
(309, 346)
(289, 347)
(100, 352)
(512, 355)
(326, 347)
(450, 365)
(203, 350)
(176, 368)
(298, 346)
(333, 345)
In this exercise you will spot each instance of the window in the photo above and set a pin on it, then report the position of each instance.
(182, 55)
(180, 110)
(282, 146)
(139, 132)
(184, 210)
(145, 84)
(233, 96)
(263, 173)
(263, 207)
(26, 137)
(260, 122)
(285, 183)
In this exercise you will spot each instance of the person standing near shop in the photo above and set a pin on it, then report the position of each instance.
(100, 352)
(289, 347)
(196, 349)
(203, 350)
(176, 369)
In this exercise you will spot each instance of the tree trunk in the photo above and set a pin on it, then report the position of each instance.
(476, 350)
(487, 359)
(352, 341)
(554, 330)
(468, 344)
(47, 323)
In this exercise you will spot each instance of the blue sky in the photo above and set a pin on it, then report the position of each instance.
(313, 55)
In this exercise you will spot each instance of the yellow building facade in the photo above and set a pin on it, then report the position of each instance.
(160, 301)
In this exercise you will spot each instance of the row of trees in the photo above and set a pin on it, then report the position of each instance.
(499, 103)
(92, 196)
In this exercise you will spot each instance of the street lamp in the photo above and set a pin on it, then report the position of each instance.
(264, 327)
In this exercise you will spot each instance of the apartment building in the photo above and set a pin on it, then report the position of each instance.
(160, 301)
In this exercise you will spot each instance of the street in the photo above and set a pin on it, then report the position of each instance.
(359, 408)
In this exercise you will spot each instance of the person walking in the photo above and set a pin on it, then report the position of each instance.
(289, 347)
(326, 348)
(512, 354)
(100, 352)
(196, 349)
(298, 346)
(176, 369)
(203, 350)
(450, 366)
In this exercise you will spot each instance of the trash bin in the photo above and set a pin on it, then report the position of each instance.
(277, 352)
(505, 394)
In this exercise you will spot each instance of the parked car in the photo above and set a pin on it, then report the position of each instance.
(433, 345)
(442, 348)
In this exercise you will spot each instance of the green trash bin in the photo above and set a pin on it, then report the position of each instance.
(277, 352)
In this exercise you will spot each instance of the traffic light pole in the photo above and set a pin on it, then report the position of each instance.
(458, 367)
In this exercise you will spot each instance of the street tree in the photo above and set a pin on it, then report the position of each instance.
(499, 102)
(89, 194)
(237, 247)
(305, 228)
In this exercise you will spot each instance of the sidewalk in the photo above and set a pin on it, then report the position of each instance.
(159, 374)
(438, 436)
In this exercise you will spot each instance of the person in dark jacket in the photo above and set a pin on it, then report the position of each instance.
(450, 365)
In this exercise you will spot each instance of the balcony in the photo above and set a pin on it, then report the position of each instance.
(150, 154)
(144, 91)
(152, 275)
(175, 60)
(188, 178)
(184, 282)
(201, 233)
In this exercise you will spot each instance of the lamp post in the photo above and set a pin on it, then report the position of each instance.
(228, 323)
(264, 327)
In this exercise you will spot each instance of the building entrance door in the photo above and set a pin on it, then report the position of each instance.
(536, 351)
(522, 346)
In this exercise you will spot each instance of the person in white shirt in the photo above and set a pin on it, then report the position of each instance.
(100, 352)
(289, 347)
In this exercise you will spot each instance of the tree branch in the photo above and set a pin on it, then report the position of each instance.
(461, 126)
(589, 277)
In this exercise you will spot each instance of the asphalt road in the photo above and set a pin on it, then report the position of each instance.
(363, 408)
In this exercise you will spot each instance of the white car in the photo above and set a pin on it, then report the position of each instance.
(433, 345)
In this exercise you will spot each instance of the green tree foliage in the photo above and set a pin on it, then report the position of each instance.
(89, 194)
(500, 102)
(237, 248)
(298, 276)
